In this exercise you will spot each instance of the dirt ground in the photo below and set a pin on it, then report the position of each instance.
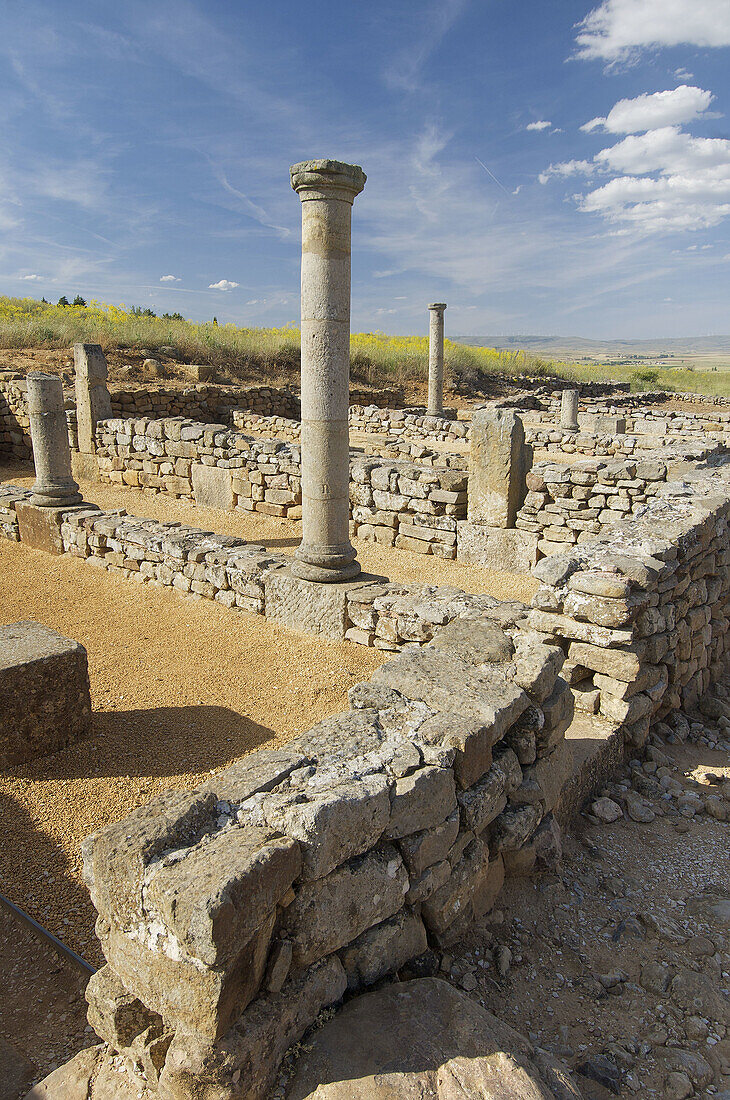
(179, 687)
(284, 536)
(43, 1017)
(595, 947)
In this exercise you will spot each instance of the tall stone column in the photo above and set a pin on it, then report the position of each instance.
(93, 402)
(54, 486)
(569, 410)
(436, 359)
(327, 189)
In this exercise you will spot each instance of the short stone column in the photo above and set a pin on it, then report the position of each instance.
(436, 359)
(569, 410)
(93, 402)
(54, 486)
(497, 467)
(327, 189)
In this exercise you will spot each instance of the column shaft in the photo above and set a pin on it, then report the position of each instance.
(569, 410)
(93, 402)
(327, 190)
(436, 359)
(54, 485)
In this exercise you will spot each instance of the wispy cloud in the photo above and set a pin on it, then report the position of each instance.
(428, 26)
(169, 279)
(541, 125)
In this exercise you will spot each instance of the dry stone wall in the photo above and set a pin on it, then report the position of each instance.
(399, 503)
(643, 611)
(566, 504)
(232, 914)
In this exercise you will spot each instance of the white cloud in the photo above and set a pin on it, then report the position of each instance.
(648, 112)
(542, 125)
(568, 168)
(664, 178)
(683, 74)
(222, 284)
(617, 30)
(31, 278)
(169, 279)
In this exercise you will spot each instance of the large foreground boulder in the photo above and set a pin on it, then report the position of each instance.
(92, 1073)
(423, 1040)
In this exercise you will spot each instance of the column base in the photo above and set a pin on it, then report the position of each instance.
(323, 574)
(45, 500)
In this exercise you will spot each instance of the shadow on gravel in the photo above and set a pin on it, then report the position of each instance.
(160, 741)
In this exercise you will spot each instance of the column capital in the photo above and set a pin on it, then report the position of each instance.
(440, 306)
(327, 179)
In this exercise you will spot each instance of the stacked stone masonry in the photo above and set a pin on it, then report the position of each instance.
(643, 610)
(232, 914)
(399, 503)
(571, 503)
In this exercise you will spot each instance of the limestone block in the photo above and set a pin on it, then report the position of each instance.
(543, 782)
(469, 740)
(477, 641)
(421, 800)
(44, 692)
(430, 846)
(212, 487)
(115, 1014)
(252, 1049)
(497, 483)
(384, 949)
(455, 898)
(622, 664)
(480, 804)
(429, 674)
(335, 823)
(512, 550)
(334, 911)
(40, 528)
(306, 605)
(514, 827)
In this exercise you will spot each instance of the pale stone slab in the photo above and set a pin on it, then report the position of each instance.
(213, 487)
(510, 551)
(497, 473)
(308, 605)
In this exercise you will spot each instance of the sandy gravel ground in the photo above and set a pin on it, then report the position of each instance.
(284, 536)
(179, 687)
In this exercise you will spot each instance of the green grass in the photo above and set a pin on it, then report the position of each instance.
(272, 354)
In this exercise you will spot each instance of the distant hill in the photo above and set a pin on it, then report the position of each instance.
(576, 347)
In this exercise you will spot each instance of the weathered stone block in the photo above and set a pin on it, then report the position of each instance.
(212, 487)
(384, 949)
(421, 800)
(334, 911)
(430, 846)
(308, 605)
(511, 551)
(429, 674)
(44, 692)
(334, 824)
(442, 908)
(497, 484)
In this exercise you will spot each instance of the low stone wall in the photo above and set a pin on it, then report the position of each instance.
(232, 914)
(205, 402)
(400, 503)
(622, 444)
(409, 423)
(568, 504)
(14, 422)
(643, 611)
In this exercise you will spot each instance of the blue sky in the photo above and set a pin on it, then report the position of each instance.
(553, 168)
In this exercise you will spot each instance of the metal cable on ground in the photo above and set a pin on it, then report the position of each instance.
(57, 944)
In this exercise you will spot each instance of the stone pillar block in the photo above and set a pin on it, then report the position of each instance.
(569, 410)
(54, 486)
(436, 359)
(44, 692)
(327, 189)
(93, 402)
(497, 470)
